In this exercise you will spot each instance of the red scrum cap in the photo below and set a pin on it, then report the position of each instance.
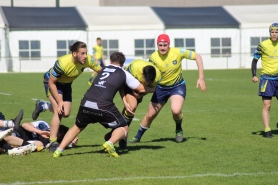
(163, 38)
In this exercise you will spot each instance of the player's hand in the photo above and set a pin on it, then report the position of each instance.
(128, 108)
(202, 84)
(255, 79)
(60, 109)
(45, 134)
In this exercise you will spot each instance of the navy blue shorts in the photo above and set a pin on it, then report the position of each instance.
(268, 86)
(101, 63)
(63, 89)
(163, 93)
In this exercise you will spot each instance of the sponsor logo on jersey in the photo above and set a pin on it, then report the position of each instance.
(175, 62)
(92, 113)
(101, 84)
(167, 65)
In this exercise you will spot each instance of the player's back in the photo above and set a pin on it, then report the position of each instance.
(106, 84)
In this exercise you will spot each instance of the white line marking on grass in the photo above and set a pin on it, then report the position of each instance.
(7, 94)
(144, 177)
(135, 119)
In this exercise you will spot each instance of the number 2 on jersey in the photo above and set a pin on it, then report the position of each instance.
(105, 75)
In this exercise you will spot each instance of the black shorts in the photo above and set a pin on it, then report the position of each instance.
(106, 114)
(63, 89)
(127, 90)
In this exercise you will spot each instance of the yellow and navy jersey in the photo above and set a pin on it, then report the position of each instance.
(135, 68)
(98, 52)
(65, 70)
(170, 65)
(268, 52)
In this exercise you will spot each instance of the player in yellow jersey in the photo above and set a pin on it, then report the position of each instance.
(148, 75)
(57, 83)
(98, 56)
(172, 86)
(268, 52)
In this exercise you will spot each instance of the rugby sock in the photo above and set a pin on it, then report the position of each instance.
(141, 131)
(52, 139)
(267, 129)
(8, 124)
(44, 105)
(6, 146)
(60, 149)
(24, 143)
(178, 124)
(128, 118)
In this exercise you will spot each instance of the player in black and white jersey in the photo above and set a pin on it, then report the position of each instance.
(97, 104)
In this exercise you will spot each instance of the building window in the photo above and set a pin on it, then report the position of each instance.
(254, 42)
(63, 47)
(185, 43)
(144, 47)
(221, 47)
(30, 49)
(109, 47)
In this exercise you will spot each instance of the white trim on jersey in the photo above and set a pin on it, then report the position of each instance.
(131, 81)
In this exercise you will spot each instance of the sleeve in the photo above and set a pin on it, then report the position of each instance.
(57, 71)
(187, 54)
(93, 64)
(254, 67)
(151, 59)
(131, 82)
(258, 52)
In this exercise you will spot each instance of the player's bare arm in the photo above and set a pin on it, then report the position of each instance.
(201, 80)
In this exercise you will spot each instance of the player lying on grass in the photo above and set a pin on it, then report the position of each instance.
(148, 75)
(57, 82)
(172, 85)
(13, 144)
(97, 104)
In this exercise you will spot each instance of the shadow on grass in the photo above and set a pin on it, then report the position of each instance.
(119, 151)
(174, 140)
(261, 133)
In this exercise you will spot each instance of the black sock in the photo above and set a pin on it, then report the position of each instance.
(24, 143)
(178, 124)
(7, 147)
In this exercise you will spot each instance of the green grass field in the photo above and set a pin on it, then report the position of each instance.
(223, 130)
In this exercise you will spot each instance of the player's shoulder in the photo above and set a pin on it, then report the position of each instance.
(266, 42)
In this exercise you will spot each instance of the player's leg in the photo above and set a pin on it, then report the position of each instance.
(82, 121)
(266, 116)
(176, 107)
(177, 99)
(13, 123)
(267, 90)
(54, 124)
(153, 110)
(159, 99)
(69, 137)
(40, 105)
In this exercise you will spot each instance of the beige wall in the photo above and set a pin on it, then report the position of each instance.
(183, 3)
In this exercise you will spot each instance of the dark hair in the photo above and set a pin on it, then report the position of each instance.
(62, 132)
(98, 38)
(78, 44)
(149, 74)
(117, 57)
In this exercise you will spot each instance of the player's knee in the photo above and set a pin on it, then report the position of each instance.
(66, 114)
(176, 113)
(267, 107)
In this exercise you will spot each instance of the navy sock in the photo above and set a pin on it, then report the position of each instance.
(140, 132)
(178, 124)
